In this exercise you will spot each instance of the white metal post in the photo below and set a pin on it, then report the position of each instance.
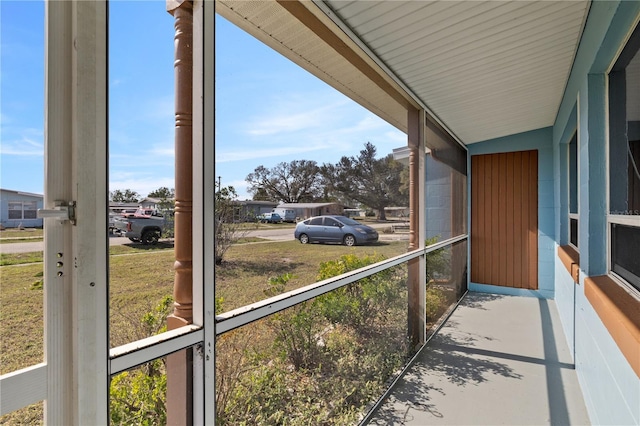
(75, 251)
(203, 178)
(90, 191)
(57, 234)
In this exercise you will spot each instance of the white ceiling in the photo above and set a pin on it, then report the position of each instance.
(485, 69)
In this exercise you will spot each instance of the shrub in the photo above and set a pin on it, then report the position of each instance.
(435, 303)
(357, 305)
(324, 361)
(138, 396)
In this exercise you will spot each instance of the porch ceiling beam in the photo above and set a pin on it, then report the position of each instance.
(312, 22)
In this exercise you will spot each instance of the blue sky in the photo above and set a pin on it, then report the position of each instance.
(268, 110)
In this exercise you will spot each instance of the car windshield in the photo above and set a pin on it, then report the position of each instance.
(348, 221)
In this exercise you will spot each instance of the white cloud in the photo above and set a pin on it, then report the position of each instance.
(142, 186)
(24, 146)
(225, 157)
(5, 119)
(296, 113)
(163, 151)
(162, 108)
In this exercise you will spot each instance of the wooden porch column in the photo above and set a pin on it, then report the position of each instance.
(416, 284)
(180, 365)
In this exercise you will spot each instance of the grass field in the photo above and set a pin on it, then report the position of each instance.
(8, 236)
(244, 275)
(140, 277)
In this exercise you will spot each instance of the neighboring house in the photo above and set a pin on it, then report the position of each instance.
(19, 208)
(151, 203)
(115, 207)
(306, 210)
(249, 209)
(397, 212)
(439, 184)
(354, 213)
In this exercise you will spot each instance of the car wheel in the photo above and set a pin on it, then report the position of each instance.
(349, 240)
(150, 237)
(135, 240)
(304, 238)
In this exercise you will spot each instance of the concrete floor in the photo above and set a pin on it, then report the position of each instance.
(497, 360)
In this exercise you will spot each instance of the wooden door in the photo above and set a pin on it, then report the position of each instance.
(504, 219)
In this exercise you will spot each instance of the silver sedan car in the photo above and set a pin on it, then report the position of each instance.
(334, 229)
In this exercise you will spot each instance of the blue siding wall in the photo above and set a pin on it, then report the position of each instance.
(610, 386)
(540, 140)
(565, 290)
(7, 196)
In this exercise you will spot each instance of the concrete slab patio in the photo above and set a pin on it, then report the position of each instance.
(497, 360)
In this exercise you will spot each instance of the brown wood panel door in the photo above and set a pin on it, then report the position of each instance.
(504, 219)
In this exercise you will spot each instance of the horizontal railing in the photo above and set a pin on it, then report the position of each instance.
(331, 350)
(255, 311)
(131, 355)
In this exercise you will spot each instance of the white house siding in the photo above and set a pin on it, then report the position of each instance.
(438, 199)
(20, 208)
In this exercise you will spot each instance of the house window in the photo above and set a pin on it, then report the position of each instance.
(624, 164)
(22, 210)
(29, 209)
(573, 191)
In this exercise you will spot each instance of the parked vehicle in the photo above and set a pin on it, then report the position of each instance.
(269, 218)
(147, 212)
(144, 229)
(288, 215)
(336, 229)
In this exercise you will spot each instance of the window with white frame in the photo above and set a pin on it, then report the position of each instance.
(623, 220)
(573, 190)
(22, 210)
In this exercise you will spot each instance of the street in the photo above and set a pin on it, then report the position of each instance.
(279, 234)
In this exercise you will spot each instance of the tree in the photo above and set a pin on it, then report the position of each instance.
(373, 182)
(124, 196)
(167, 198)
(227, 229)
(261, 195)
(163, 193)
(295, 182)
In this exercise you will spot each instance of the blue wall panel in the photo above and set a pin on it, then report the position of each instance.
(565, 293)
(610, 386)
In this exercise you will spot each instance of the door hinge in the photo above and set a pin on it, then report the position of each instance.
(62, 210)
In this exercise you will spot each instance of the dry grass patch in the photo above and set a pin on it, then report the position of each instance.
(24, 233)
(7, 259)
(21, 324)
(244, 274)
(140, 282)
(137, 284)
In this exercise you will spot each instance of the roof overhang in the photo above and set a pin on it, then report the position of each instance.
(483, 69)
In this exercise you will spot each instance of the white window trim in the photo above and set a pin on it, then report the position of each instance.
(628, 220)
(615, 277)
(574, 216)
